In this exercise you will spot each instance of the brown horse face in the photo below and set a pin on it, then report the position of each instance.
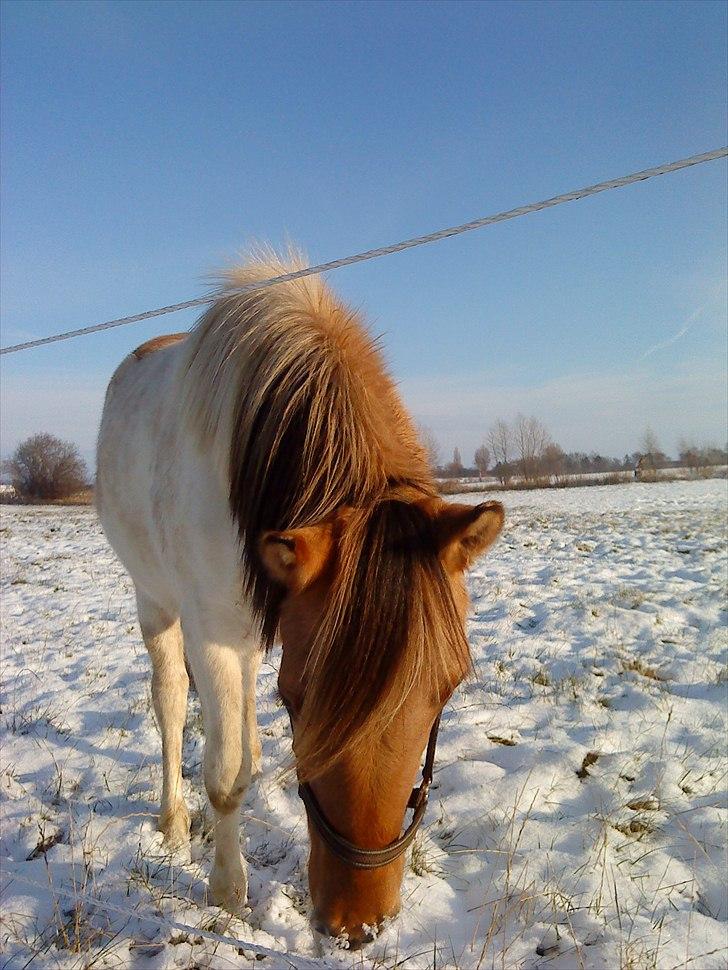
(364, 799)
(363, 792)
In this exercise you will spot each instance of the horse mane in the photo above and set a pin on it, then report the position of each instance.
(390, 624)
(293, 394)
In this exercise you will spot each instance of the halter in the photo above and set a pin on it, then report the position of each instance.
(354, 855)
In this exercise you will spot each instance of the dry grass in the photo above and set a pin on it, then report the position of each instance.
(639, 667)
(84, 496)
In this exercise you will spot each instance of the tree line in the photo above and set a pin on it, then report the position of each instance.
(525, 450)
(45, 468)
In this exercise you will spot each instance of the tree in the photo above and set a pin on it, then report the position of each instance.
(499, 439)
(531, 437)
(44, 467)
(697, 458)
(430, 444)
(553, 461)
(690, 455)
(481, 460)
(455, 468)
(652, 455)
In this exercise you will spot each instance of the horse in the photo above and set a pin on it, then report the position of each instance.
(260, 478)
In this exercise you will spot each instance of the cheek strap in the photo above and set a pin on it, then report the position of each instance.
(354, 855)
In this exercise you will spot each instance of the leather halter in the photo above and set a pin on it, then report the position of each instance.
(354, 855)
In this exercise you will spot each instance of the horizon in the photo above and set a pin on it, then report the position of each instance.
(145, 144)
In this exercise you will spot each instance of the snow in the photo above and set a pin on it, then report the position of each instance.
(579, 809)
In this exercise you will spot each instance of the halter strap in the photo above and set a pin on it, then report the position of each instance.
(354, 855)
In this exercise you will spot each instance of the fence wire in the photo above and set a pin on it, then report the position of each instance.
(292, 960)
(399, 247)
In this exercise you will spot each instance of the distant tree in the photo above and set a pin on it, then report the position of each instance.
(711, 455)
(698, 458)
(430, 444)
(553, 461)
(599, 463)
(690, 455)
(652, 455)
(455, 468)
(481, 460)
(499, 439)
(44, 467)
(531, 438)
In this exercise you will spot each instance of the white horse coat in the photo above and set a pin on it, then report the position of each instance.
(163, 504)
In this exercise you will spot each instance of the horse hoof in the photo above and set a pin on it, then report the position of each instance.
(229, 894)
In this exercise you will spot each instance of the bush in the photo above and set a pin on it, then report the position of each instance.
(44, 467)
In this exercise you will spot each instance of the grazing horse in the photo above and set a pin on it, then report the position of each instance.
(259, 477)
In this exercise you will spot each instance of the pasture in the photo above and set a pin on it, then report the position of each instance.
(579, 808)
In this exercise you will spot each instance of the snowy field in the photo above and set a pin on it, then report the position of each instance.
(578, 818)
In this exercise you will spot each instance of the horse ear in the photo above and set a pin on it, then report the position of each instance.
(464, 532)
(297, 557)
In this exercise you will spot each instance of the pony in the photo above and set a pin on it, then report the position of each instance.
(258, 478)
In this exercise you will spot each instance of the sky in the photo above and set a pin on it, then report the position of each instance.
(146, 145)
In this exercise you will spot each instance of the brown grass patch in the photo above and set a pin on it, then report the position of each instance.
(590, 758)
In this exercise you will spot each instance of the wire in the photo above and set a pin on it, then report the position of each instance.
(292, 960)
(399, 247)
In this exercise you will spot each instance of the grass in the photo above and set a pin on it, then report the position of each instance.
(638, 666)
(38, 720)
(84, 497)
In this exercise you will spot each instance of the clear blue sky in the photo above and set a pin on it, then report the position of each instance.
(144, 144)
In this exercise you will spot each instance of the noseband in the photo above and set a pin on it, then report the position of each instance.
(360, 858)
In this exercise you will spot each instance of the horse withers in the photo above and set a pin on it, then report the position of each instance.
(259, 477)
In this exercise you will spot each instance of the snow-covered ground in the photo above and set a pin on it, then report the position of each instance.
(578, 819)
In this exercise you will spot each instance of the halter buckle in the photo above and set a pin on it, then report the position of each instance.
(419, 795)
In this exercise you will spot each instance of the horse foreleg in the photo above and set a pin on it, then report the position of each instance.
(251, 665)
(218, 673)
(163, 639)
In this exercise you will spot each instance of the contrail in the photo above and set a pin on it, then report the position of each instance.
(681, 333)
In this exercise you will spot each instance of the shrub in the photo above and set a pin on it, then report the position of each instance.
(44, 467)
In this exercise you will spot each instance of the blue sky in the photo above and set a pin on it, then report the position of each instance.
(144, 144)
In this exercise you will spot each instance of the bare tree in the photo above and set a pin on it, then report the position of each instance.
(499, 439)
(481, 460)
(44, 467)
(698, 458)
(430, 444)
(651, 453)
(690, 455)
(553, 461)
(455, 468)
(531, 438)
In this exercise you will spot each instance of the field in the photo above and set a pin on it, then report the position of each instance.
(579, 813)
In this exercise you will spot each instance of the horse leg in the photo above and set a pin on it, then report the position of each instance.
(218, 674)
(251, 665)
(163, 639)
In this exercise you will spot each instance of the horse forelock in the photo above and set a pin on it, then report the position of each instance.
(390, 626)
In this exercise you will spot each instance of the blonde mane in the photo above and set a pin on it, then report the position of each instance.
(305, 419)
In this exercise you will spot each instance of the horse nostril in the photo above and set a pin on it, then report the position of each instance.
(357, 941)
